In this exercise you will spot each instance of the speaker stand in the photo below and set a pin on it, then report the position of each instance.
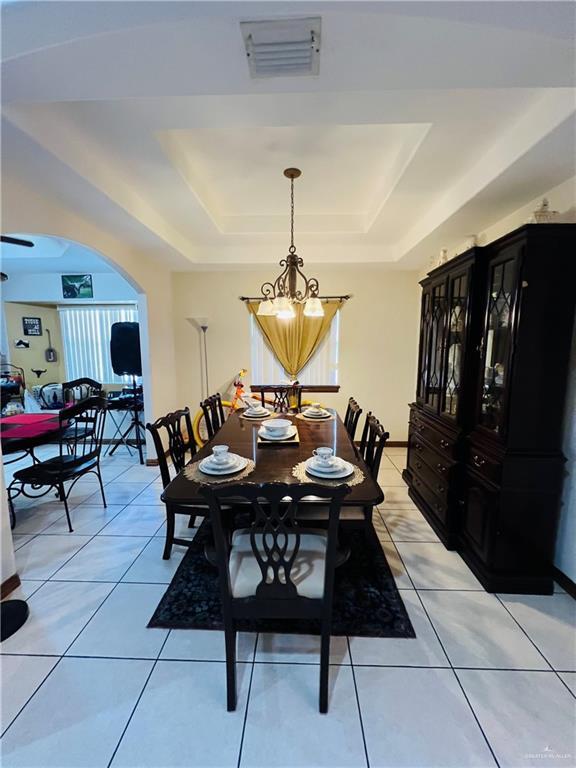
(136, 426)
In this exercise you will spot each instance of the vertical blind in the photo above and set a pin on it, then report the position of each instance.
(322, 368)
(86, 340)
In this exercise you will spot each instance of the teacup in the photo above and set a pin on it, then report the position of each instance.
(220, 454)
(324, 456)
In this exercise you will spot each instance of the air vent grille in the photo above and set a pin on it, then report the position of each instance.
(282, 48)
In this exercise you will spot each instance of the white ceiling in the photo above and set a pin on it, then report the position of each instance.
(50, 255)
(427, 118)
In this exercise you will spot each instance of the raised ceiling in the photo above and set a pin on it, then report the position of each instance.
(143, 117)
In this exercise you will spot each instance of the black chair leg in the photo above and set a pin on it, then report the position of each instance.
(99, 476)
(192, 521)
(170, 522)
(324, 666)
(368, 518)
(230, 636)
(63, 498)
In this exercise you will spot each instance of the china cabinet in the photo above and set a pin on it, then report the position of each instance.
(485, 464)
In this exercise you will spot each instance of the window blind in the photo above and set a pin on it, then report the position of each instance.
(86, 339)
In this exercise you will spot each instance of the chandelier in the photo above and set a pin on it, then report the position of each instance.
(291, 286)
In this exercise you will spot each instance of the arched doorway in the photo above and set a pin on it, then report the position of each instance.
(62, 283)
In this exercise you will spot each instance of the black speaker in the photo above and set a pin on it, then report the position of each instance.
(125, 349)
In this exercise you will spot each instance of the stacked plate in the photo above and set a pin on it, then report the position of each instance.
(256, 412)
(335, 470)
(232, 464)
(315, 412)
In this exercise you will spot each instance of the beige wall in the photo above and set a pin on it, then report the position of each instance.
(378, 346)
(34, 356)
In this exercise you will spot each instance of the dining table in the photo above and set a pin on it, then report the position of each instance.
(274, 462)
(24, 432)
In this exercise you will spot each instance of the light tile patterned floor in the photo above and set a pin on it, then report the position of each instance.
(489, 679)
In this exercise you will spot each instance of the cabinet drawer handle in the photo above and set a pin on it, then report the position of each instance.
(441, 467)
(444, 444)
(420, 427)
(478, 460)
(418, 464)
(418, 446)
(440, 488)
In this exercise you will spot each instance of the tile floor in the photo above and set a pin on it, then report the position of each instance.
(489, 680)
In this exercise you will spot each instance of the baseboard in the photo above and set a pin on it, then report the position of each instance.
(152, 462)
(565, 582)
(8, 586)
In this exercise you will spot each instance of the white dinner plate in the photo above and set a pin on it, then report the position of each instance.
(263, 432)
(319, 416)
(211, 469)
(346, 470)
(256, 415)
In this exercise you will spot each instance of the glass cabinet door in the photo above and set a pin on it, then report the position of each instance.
(436, 341)
(497, 344)
(455, 337)
(424, 355)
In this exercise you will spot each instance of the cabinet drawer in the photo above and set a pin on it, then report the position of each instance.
(431, 477)
(440, 464)
(438, 440)
(485, 466)
(437, 505)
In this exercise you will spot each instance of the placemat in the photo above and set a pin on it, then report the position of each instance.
(194, 473)
(299, 472)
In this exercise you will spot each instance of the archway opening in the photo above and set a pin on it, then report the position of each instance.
(59, 300)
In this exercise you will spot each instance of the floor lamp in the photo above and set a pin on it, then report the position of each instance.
(201, 325)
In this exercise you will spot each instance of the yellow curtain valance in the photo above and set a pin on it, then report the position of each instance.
(293, 342)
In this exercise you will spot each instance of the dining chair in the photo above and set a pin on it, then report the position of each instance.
(87, 388)
(275, 568)
(372, 444)
(374, 438)
(81, 428)
(173, 437)
(353, 412)
(364, 437)
(213, 414)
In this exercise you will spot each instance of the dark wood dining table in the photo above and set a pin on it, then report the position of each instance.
(275, 461)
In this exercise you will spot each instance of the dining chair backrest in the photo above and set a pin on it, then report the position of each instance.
(82, 430)
(85, 387)
(364, 438)
(213, 411)
(351, 418)
(275, 539)
(173, 437)
(371, 450)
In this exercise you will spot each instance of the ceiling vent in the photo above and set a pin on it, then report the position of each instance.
(283, 47)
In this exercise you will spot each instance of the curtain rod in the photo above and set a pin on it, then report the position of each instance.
(260, 298)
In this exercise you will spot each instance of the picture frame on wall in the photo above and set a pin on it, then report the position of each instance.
(32, 326)
(77, 287)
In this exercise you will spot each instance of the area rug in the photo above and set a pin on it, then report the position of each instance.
(366, 601)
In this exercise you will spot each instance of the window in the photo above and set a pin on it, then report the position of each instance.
(321, 369)
(86, 339)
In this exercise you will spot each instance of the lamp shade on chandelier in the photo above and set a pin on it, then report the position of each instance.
(291, 286)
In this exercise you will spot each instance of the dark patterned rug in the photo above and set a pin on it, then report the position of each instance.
(366, 601)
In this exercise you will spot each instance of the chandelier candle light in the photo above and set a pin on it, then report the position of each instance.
(291, 286)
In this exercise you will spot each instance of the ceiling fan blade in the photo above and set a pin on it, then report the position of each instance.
(16, 241)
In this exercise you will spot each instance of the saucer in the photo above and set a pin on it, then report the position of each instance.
(258, 415)
(211, 469)
(346, 469)
(329, 469)
(319, 415)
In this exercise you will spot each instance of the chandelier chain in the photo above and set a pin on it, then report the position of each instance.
(291, 214)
